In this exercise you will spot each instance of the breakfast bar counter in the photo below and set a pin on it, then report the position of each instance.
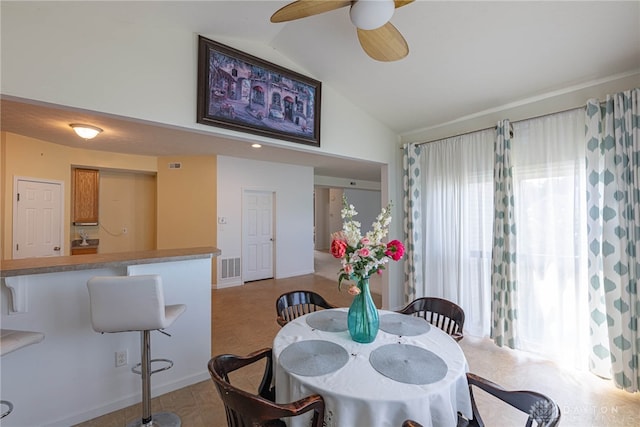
(72, 375)
(21, 267)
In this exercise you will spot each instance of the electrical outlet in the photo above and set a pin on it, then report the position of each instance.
(121, 358)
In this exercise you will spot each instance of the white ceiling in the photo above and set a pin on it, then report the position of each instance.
(465, 58)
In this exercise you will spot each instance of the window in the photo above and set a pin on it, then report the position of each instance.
(549, 191)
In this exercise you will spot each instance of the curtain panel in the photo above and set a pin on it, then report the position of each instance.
(449, 204)
(413, 278)
(550, 214)
(613, 180)
(504, 278)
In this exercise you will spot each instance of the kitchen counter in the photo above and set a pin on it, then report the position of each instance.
(28, 266)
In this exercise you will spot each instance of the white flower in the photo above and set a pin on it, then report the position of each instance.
(362, 256)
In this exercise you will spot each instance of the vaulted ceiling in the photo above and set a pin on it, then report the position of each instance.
(465, 58)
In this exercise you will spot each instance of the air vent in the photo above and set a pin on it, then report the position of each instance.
(175, 165)
(229, 267)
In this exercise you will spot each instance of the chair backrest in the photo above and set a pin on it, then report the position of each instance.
(542, 411)
(244, 408)
(126, 303)
(442, 313)
(297, 303)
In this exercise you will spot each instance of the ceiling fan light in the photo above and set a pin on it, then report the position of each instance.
(371, 14)
(85, 131)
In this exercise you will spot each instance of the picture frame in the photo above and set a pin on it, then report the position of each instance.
(241, 92)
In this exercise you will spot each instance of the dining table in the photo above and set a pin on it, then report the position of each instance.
(412, 370)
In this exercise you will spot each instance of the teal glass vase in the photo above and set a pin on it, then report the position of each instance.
(363, 320)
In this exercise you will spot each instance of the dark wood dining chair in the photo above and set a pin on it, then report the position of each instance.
(297, 303)
(442, 313)
(542, 411)
(244, 408)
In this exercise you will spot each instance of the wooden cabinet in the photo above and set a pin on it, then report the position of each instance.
(85, 196)
(83, 251)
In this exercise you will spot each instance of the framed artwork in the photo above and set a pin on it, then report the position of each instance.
(241, 92)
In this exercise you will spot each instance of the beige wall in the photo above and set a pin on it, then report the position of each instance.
(127, 200)
(28, 157)
(187, 203)
(2, 191)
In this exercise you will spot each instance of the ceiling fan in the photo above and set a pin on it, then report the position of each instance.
(378, 37)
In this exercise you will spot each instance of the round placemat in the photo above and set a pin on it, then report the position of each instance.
(408, 364)
(313, 357)
(328, 320)
(403, 324)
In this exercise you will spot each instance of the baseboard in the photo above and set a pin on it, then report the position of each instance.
(295, 274)
(129, 400)
(225, 285)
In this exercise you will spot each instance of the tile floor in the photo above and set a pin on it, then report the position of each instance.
(243, 320)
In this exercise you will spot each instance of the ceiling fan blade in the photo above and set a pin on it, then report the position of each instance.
(303, 8)
(400, 3)
(383, 44)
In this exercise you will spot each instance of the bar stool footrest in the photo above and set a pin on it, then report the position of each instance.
(137, 369)
(161, 419)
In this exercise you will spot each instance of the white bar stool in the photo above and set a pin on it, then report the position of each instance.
(136, 303)
(12, 340)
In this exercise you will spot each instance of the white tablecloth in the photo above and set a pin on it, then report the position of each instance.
(357, 395)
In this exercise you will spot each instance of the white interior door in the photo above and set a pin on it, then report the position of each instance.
(257, 235)
(37, 218)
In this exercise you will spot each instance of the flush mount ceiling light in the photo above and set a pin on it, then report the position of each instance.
(85, 131)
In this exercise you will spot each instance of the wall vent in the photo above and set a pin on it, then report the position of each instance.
(175, 165)
(229, 267)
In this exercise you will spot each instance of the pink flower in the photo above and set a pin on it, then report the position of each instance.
(354, 290)
(395, 250)
(364, 252)
(338, 248)
(365, 241)
(348, 269)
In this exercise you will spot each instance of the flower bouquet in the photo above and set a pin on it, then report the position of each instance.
(360, 257)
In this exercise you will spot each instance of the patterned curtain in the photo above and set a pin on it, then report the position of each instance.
(412, 223)
(613, 203)
(503, 257)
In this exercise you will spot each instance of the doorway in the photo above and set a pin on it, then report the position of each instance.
(257, 235)
(37, 218)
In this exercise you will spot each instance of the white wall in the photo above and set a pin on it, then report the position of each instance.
(559, 100)
(367, 204)
(328, 203)
(321, 219)
(335, 208)
(293, 213)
